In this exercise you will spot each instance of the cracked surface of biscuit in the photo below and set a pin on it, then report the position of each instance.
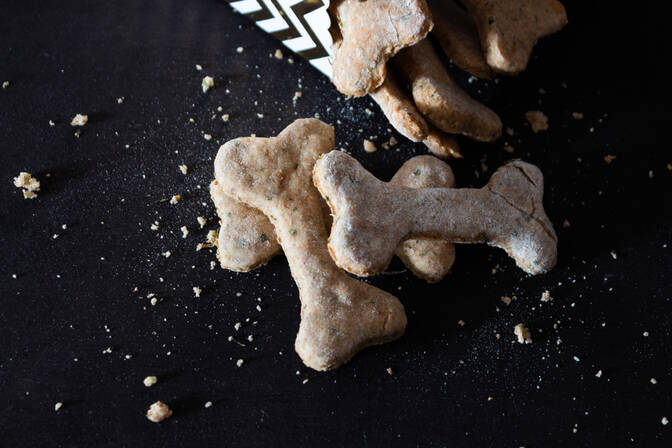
(371, 32)
(509, 29)
(372, 217)
(441, 101)
(339, 314)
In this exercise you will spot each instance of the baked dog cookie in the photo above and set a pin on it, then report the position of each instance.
(428, 259)
(456, 31)
(407, 120)
(371, 32)
(372, 217)
(339, 315)
(247, 238)
(509, 29)
(441, 100)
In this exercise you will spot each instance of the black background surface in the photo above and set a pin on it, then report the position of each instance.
(74, 296)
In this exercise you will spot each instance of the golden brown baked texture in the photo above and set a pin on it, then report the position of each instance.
(456, 31)
(339, 315)
(509, 29)
(372, 217)
(371, 32)
(440, 100)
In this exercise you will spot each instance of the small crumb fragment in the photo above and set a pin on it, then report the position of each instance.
(650, 174)
(158, 412)
(389, 371)
(225, 117)
(506, 300)
(278, 54)
(207, 404)
(185, 231)
(577, 115)
(58, 406)
(208, 137)
(120, 100)
(78, 133)
(28, 184)
(508, 148)
(259, 115)
(5, 84)
(199, 67)
(150, 381)
(523, 334)
(207, 83)
(609, 158)
(201, 221)
(653, 381)
(183, 169)
(153, 301)
(565, 224)
(166, 254)
(546, 296)
(393, 141)
(369, 146)
(598, 374)
(154, 226)
(237, 326)
(538, 120)
(211, 237)
(240, 50)
(51, 123)
(664, 421)
(239, 363)
(175, 199)
(79, 120)
(297, 95)
(197, 291)
(461, 323)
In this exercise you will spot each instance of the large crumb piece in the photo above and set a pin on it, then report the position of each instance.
(523, 334)
(28, 183)
(149, 382)
(79, 120)
(369, 146)
(158, 412)
(538, 120)
(207, 83)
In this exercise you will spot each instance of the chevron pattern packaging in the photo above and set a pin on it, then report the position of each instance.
(301, 25)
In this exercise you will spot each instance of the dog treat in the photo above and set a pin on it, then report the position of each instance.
(509, 29)
(456, 31)
(372, 217)
(246, 237)
(407, 120)
(428, 259)
(537, 119)
(339, 315)
(371, 32)
(441, 100)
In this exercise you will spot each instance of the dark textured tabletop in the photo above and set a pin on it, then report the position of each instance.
(78, 262)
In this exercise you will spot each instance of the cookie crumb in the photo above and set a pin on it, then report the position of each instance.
(5, 84)
(389, 371)
(150, 381)
(199, 67)
(185, 231)
(197, 291)
(297, 95)
(166, 254)
(653, 381)
(577, 115)
(523, 334)
(158, 412)
(79, 120)
(58, 406)
(278, 54)
(664, 421)
(369, 146)
(546, 296)
(207, 404)
(175, 199)
(461, 323)
(239, 363)
(183, 169)
(225, 117)
(120, 100)
(207, 83)
(201, 221)
(208, 137)
(240, 50)
(565, 224)
(598, 374)
(538, 120)
(28, 184)
(509, 148)
(609, 158)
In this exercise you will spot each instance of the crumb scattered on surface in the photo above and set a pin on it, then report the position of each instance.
(28, 184)
(175, 199)
(509, 148)
(79, 120)
(577, 115)
(240, 50)
(225, 117)
(239, 363)
(546, 296)
(150, 381)
(197, 291)
(166, 254)
(199, 67)
(538, 120)
(653, 381)
(158, 412)
(278, 54)
(207, 83)
(5, 84)
(201, 221)
(58, 406)
(609, 158)
(523, 334)
(120, 100)
(183, 169)
(664, 421)
(565, 224)
(369, 146)
(297, 95)
(208, 137)
(185, 231)
(598, 374)
(461, 323)
(506, 300)
(389, 371)
(207, 404)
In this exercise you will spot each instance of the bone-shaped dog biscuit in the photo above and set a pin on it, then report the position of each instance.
(372, 32)
(441, 100)
(456, 31)
(509, 29)
(247, 238)
(372, 217)
(339, 315)
(429, 259)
